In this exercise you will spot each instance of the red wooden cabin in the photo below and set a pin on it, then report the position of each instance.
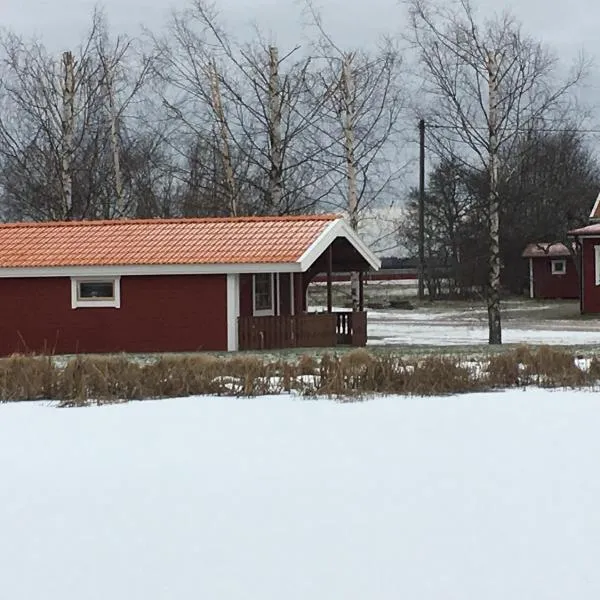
(175, 285)
(587, 240)
(552, 271)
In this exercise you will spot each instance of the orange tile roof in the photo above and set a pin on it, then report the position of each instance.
(241, 240)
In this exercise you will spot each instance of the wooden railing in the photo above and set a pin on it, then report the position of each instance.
(310, 330)
(298, 331)
(351, 328)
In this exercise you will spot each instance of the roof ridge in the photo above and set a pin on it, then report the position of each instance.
(173, 221)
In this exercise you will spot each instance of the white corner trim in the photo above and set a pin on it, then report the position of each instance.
(233, 311)
(266, 312)
(597, 265)
(135, 270)
(292, 307)
(337, 228)
(77, 302)
(277, 294)
(595, 208)
(531, 288)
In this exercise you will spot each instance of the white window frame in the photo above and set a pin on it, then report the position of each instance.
(559, 261)
(266, 312)
(77, 302)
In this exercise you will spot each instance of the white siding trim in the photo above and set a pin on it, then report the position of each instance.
(233, 311)
(531, 288)
(76, 302)
(133, 270)
(595, 208)
(335, 229)
(292, 307)
(597, 264)
(277, 307)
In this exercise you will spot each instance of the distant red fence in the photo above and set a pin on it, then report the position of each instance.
(383, 275)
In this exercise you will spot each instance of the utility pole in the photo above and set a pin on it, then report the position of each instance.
(68, 132)
(421, 270)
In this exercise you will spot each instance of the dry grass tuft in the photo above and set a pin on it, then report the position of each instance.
(87, 379)
(438, 375)
(503, 370)
(307, 365)
(24, 377)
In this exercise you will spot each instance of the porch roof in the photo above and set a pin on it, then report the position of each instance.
(173, 246)
(589, 230)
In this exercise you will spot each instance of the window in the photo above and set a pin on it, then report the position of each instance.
(96, 293)
(559, 266)
(262, 284)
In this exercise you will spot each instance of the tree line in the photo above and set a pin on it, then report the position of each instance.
(512, 162)
(188, 121)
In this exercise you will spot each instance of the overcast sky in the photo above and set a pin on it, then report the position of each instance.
(567, 25)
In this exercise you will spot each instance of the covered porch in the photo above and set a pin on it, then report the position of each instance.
(273, 306)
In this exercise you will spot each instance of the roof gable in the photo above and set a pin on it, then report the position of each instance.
(215, 244)
(595, 214)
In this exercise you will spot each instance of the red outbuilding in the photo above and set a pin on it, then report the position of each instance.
(175, 285)
(588, 243)
(552, 271)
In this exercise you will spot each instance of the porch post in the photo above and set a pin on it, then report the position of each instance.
(361, 291)
(329, 272)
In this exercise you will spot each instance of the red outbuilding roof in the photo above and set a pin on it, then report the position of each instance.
(545, 249)
(291, 240)
(591, 230)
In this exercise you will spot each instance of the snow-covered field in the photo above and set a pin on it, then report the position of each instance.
(459, 326)
(484, 496)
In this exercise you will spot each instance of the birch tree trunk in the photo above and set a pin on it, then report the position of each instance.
(114, 143)
(224, 149)
(493, 292)
(348, 125)
(68, 129)
(276, 151)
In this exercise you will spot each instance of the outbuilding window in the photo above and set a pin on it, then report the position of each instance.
(559, 266)
(90, 292)
(262, 294)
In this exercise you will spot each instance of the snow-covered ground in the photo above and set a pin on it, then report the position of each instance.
(435, 327)
(483, 496)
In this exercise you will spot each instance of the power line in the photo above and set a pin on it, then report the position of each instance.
(531, 130)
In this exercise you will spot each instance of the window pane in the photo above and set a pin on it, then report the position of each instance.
(263, 293)
(96, 289)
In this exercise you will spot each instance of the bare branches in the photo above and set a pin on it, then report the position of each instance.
(63, 124)
(486, 84)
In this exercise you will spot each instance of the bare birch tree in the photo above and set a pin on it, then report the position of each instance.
(261, 120)
(62, 124)
(359, 127)
(486, 83)
(68, 130)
